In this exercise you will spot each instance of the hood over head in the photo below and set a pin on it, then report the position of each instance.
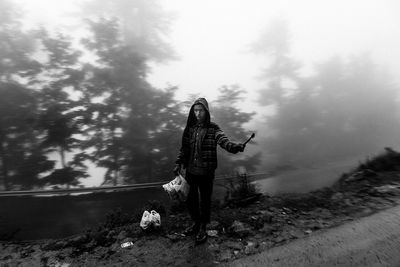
(192, 117)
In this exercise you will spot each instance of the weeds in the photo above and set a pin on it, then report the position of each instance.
(388, 161)
(116, 219)
(240, 191)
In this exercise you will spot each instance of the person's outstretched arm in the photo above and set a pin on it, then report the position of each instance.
(224, 142)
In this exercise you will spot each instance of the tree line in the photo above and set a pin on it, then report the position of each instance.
(346, 108)
(66, 104)
(60, 112)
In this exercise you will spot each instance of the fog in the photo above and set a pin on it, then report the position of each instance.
(111, 83)
(225, 31)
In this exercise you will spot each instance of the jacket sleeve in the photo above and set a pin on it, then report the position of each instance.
(223, 141)
(181, 157)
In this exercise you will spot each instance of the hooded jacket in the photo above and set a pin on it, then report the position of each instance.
(210, 136)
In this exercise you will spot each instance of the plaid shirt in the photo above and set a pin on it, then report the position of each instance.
(202, 159)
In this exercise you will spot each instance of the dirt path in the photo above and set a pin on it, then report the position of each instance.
(370, 241)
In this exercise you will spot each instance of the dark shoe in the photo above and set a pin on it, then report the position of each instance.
(201, 236)
(192, 230)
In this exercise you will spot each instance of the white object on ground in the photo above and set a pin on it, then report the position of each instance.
(146, 220)
(212, 233)
(126, 244)
(150, 218)
(155, 218)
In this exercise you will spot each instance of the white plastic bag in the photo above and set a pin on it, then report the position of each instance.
(155, 218)
(146, 220)
(151, 218)
(170, 188)
(182, 189)
(178, 188)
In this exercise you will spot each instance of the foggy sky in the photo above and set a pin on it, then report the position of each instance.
(223, 30)
(212, 38)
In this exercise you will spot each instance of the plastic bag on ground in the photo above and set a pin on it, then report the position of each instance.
(149, 219)
(155, 218)
(146, 220)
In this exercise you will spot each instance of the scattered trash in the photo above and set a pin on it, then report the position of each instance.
(126, 244)
(177, 189)
(212, 233)
(149, 219)
(308, 231)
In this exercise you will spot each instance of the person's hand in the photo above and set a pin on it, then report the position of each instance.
(177, 169)
(241, 147)
(238, 148)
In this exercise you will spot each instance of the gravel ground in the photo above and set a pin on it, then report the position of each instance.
(370, 241)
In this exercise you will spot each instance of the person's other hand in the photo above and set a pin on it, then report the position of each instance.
(177, 169)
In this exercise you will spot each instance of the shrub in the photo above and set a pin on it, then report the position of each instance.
(240, 190)
(388, 161)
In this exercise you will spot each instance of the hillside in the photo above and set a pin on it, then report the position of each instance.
(238, 229)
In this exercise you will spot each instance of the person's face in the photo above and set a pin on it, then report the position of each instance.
(199, 112)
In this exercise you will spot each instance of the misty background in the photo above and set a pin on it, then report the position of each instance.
(97, 92)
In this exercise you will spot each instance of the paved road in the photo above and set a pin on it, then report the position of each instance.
(370, 241)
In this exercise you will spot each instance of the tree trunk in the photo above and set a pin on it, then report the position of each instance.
(4, 168)
(116, 169)
(62, 156)
(63, 163)
(115, 153)
(115, 178)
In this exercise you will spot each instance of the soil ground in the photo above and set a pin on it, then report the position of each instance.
(369, 241)
(238, 230)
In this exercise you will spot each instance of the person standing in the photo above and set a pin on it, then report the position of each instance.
(198, 155)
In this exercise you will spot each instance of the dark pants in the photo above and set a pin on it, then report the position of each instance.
(200, 186)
